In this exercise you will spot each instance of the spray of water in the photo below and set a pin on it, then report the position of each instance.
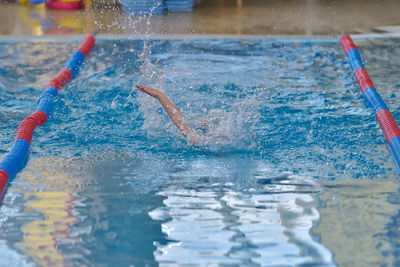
(233, 127)
(149, 75)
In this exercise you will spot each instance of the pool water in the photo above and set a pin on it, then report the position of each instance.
(304, 176)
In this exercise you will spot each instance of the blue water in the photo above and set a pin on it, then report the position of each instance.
(305, 178)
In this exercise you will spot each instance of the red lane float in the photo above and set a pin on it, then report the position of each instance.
(3, 178)
(387, 124)
(363, 79)
(28, 125)
(15, 158)
(385, 119)
(347, 43)
(61, 79)
(87, 45)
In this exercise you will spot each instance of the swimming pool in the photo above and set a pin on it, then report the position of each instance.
(306, 177)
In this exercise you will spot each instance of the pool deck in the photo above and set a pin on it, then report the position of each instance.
(211, 17)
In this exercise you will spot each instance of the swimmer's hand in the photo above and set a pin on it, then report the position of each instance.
(148, 90)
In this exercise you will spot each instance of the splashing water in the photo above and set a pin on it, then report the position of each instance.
(231, 126)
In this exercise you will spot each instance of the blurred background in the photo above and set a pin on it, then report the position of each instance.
(255, 17)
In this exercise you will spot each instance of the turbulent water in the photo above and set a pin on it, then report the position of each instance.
(302, 175)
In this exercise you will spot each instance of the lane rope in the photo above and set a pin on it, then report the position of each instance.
(385, 119)
(16, 157)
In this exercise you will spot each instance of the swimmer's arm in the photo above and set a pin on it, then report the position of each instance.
(173, 112)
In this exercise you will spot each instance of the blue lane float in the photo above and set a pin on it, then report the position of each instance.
(385, 119)
(16, 157)
(74, 63)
